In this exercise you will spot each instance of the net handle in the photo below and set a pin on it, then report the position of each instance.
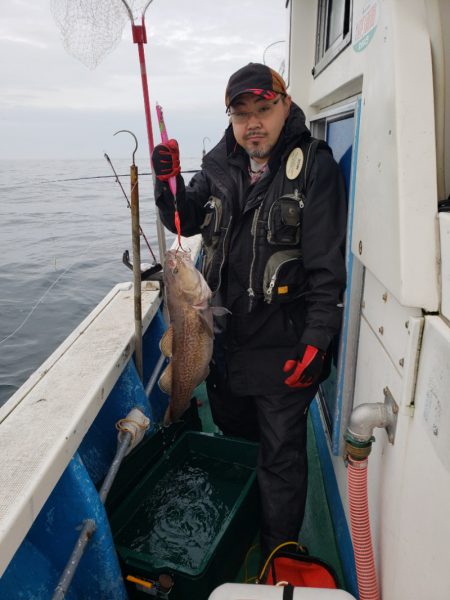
(130, 12)
(140, 38)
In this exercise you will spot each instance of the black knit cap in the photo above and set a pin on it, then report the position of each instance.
(257, 79)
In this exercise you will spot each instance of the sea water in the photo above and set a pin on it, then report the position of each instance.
(61, 245)
(177, 518)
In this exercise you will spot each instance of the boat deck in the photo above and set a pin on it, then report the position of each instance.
(45, 421)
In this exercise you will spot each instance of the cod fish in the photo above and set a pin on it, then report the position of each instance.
(188, 341)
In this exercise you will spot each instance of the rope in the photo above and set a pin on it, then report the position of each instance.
(120, 427)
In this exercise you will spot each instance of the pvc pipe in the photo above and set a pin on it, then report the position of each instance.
(360, 528)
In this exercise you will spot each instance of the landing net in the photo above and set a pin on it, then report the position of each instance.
(90, 29)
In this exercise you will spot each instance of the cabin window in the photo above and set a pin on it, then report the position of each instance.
(333, 31)
(339, 128)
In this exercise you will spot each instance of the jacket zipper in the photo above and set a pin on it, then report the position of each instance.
(250, 291)
(299, 198)
(223, 254)
(274, 277)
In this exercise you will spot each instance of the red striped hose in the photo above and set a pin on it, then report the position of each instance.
(360, 527)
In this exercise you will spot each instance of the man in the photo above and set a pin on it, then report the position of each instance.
(270, 204)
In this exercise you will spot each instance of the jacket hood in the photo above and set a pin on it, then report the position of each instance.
(294, 129)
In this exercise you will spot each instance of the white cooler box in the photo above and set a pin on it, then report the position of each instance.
(243, 591)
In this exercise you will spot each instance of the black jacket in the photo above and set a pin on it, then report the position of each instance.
(236, 220)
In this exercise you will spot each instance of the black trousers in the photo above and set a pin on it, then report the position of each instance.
(278, 423)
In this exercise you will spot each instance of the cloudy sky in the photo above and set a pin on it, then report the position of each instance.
(53, 106)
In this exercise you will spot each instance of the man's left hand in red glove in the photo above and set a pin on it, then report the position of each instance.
(306, 369)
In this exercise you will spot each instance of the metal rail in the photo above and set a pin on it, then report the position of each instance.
(156, 371)
(89, 525)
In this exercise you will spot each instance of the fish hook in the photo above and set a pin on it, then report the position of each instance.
(135, 139)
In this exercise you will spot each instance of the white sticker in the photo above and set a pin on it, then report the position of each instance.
(294, 163)
(365, 18)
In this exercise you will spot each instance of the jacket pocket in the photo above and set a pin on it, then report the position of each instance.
(215, 234)
(284, 221)
(210, 228)
(284, 276)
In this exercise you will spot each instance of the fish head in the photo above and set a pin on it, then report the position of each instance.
(184, 280)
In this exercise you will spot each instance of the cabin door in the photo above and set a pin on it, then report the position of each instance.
(340, 128)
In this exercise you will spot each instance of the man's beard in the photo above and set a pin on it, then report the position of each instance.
(259, 153)
(260, 150)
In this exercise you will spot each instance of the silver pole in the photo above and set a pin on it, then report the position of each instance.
(115, 465)
(89, 525)
(155, 374)
(61, 589)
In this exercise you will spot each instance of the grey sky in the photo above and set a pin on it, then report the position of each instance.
(53, 106)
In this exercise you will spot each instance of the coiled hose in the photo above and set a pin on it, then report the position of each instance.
(360, 528)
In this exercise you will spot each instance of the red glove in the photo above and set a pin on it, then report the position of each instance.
(306, 369)
(166, 160)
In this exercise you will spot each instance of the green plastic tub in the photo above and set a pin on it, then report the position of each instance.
(193, 516)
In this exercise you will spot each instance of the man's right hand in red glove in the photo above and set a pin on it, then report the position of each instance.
(166, 160)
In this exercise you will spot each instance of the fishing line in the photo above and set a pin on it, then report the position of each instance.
(106, 176)
(43, 181)
(129, 205)
(27, 318)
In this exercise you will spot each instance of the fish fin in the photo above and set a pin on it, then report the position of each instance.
(166, 343)
(220, 311)
(206, 324)
(165, 381)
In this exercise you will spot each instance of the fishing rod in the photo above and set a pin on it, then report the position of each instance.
(172, 180)
(154, 272)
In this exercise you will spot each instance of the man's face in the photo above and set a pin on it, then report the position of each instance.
(257, 123)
